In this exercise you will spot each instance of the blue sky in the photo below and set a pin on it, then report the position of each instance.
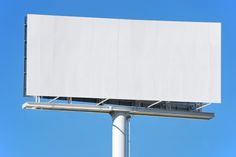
(68, 134)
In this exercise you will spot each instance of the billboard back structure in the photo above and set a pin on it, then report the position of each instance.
(123, 59)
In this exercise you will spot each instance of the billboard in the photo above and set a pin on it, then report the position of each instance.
(123, 59)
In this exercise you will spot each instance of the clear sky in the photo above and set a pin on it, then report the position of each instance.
(70, 134)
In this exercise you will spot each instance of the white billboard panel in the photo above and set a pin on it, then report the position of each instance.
(123, 59)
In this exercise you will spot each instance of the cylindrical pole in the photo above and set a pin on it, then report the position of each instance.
(119, 123)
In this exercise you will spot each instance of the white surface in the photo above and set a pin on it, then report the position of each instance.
(123, 59)
(119, 123)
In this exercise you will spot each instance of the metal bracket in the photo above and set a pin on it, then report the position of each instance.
(101, 102)
(53, 99)
(153, 104)
(203, 106)
(69, 100)
(37, 99)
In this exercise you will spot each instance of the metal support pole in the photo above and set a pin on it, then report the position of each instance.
(129, 138)
(119, 131)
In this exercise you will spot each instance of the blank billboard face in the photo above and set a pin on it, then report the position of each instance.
(123, 59)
